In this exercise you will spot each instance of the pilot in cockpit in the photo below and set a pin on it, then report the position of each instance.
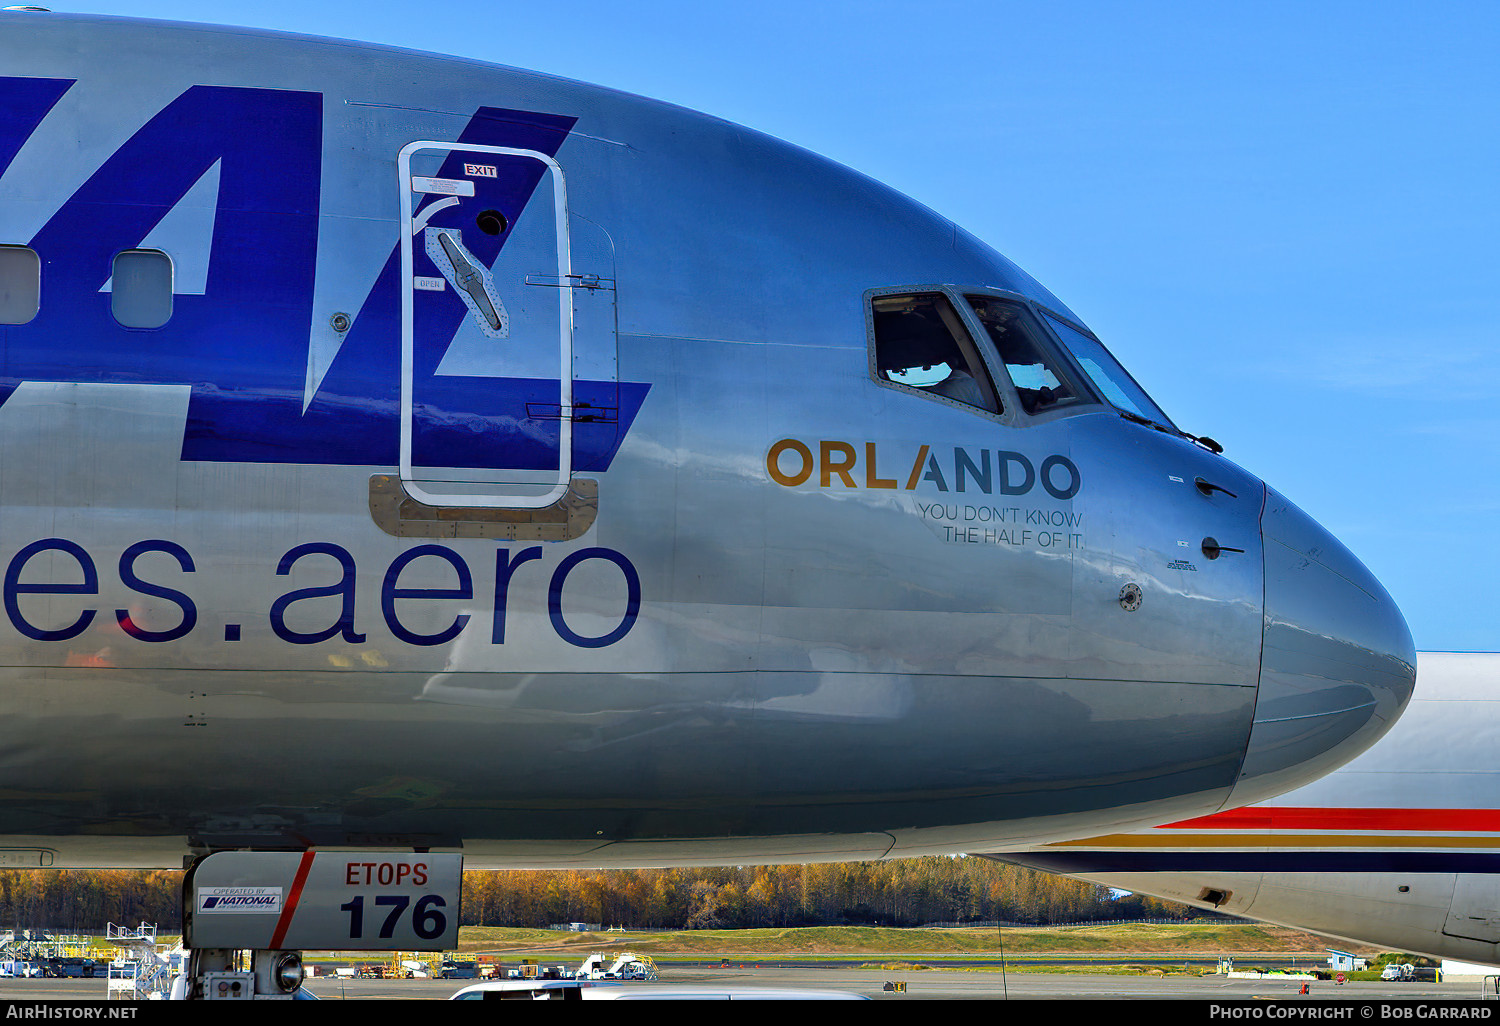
(959, 385)
(915, 345)
(1038, 384)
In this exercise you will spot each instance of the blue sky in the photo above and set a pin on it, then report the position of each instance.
(1282, 217)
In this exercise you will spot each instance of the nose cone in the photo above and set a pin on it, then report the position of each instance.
(1337, 661)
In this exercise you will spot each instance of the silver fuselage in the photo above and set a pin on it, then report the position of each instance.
(512, 474)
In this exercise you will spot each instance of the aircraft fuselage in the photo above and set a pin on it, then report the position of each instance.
(403, 451)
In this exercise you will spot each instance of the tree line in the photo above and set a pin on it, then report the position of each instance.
(905, 892)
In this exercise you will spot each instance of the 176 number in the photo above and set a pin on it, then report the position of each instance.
(428, 920)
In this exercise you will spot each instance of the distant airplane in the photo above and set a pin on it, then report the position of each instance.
(401, 453)
(1400, 848)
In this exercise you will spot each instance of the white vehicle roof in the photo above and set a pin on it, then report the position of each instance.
(543, 990)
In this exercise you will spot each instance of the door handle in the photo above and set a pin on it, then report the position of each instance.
(1208, 488)
(1213, 549)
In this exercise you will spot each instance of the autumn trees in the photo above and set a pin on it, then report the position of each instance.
(907, 892)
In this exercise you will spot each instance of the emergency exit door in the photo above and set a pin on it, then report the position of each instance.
(487, 327)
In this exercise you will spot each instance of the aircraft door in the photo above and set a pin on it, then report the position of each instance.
(1475, 912)
(489, 350)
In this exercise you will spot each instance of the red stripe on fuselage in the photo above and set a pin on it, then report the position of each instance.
(1293, 818)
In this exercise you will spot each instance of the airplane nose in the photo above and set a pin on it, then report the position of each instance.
(1337, 660)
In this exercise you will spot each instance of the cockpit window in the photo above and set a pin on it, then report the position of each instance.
(1041, 383)
(1111, 379)
(921, 344)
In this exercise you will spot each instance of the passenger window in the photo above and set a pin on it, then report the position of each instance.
(20, 284)
(921, 344)
(141, 285)
(1041, 383)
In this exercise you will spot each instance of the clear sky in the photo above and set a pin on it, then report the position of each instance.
(1281, 216)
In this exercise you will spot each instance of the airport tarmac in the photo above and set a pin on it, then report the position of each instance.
(920, 985)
